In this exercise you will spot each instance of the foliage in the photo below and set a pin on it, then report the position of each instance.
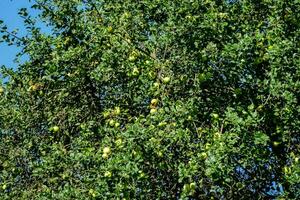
(153, 99)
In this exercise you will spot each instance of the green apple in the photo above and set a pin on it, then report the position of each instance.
(105, 156)
(132, 58)
(106, 150)
(110, 29)
(1, 90)
(156, 85)
(153, 110)
(119, 142)
(160, 154)
(135, 71)
(106, 114)
(215, 116)
(166, 79)
(111, 122)
(276, 143)
(117, 110)
(117, 125)
(203, 155)
(55, 128)
(162, 124)
(152, 74)
(107, 174)
(186, 188)
(193, 186)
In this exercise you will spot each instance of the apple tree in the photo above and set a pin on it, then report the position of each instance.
(153, 99)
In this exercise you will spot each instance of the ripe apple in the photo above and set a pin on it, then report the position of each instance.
(166, 79)
(106, 150)
(153, 110)
(154, 102)
(105, 156)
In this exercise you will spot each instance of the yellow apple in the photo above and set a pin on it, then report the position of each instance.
(117, 111)
(153, 110)
(107, 174)
(105, 156)
(106, 150)
(154, 102)
(166, 79)
(111, 122)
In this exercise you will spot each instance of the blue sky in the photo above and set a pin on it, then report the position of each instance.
(9, 14)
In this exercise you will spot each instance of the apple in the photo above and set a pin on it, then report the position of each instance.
(105, 156)
(215, 116)
(135, 71)
(117, 111)
(119, 142)
(186, 188)
(203, 155)
(162, 124)
(276, 143)
(111, 122)
(106, 114)
(107, 174)
(153, 110)
(132, 58)
(110, 29)
(154, 102)
(160, 154)
(193, 186)
(152, 74)
(166, 79)
(156, 85)
(1, 90)
(55, 128)
(117, 125)
(106, 150)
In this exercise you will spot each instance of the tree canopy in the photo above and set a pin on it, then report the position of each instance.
(153, 99)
